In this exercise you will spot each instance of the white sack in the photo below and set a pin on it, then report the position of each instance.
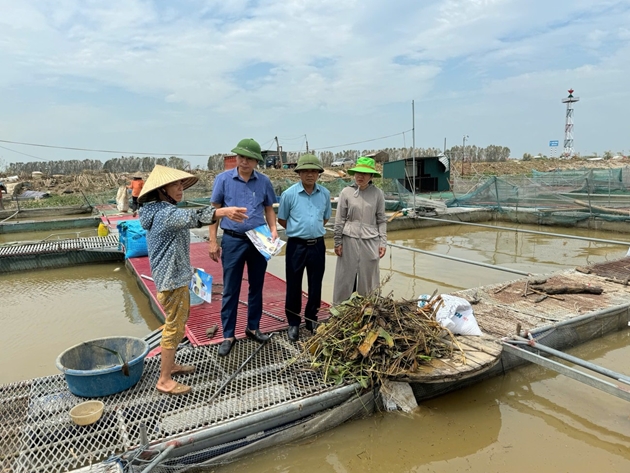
(396, 394)
(122, 199)
(455, 314)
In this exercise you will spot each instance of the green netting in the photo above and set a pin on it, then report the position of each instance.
(565, 197)
(335, 186)
(396, 196)
(594, 181)
(281, 185)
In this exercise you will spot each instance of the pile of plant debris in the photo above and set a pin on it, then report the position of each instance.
(372, 338)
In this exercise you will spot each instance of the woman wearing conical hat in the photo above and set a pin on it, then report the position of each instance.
(168, 243)
(360, 233)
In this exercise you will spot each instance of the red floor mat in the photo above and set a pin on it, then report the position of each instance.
(114, 219)
(205, 315)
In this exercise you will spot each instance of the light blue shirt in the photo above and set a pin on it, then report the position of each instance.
(304, 213)
(230, 190)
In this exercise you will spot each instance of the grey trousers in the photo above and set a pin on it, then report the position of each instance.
(359, 258)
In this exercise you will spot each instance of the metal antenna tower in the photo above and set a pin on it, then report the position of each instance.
(568, 126)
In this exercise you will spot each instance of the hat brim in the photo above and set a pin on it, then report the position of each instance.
(188, 182)
(247, 153)
(162, 176)
(364, 170)
(309, 167)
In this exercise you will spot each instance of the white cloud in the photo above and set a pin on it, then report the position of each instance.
(346, 70)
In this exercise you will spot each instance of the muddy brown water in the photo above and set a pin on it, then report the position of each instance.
(528, 420)
(45, 312)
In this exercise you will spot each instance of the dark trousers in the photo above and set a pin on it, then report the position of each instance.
(299, 256)
(134, 203)
(235, 253)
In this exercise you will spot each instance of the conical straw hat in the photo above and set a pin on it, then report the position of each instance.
(161, 176)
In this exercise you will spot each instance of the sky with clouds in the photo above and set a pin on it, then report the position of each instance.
(196, 76)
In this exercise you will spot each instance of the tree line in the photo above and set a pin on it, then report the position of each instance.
(492, 153)
(124, 164)
(130, 164)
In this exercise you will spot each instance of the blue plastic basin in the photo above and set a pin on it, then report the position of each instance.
(92, 371)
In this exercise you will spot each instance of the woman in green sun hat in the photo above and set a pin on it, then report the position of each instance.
(360, 233)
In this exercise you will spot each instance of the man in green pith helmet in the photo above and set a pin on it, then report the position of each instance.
(254, 191)
(304, 210)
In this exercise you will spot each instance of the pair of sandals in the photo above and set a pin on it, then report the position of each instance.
(179, 388)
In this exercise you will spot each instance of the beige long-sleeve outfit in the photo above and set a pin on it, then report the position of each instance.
(360, 226)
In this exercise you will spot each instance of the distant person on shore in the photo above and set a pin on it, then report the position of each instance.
(136, 188)
(360, 233)
(168, 243)
(2, 189)
(304, 210)
(242, 186)
(122, 198)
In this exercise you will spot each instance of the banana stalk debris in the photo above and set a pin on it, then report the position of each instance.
(372, 338)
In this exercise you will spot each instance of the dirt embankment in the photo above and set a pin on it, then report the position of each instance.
(518, 167)
(94, 183)
(89, 182)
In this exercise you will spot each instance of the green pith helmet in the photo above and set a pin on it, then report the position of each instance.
(249, 148)
(308, 161)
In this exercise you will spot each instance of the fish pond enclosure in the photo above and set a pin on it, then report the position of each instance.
(265, 396)
(560, 197)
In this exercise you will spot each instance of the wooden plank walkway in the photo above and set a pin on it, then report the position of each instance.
(471, 356)
(501, 308)
(504, 311)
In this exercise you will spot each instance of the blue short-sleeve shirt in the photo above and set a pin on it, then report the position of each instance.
(231, 190)
(304, 213)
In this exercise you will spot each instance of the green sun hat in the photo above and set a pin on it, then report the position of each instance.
(249, 148)
(308, 161)
(365, 165)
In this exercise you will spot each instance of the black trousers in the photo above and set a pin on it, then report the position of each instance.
(300, 255)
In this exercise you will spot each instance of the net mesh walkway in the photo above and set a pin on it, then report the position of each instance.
(37, 434)
(109, 242)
